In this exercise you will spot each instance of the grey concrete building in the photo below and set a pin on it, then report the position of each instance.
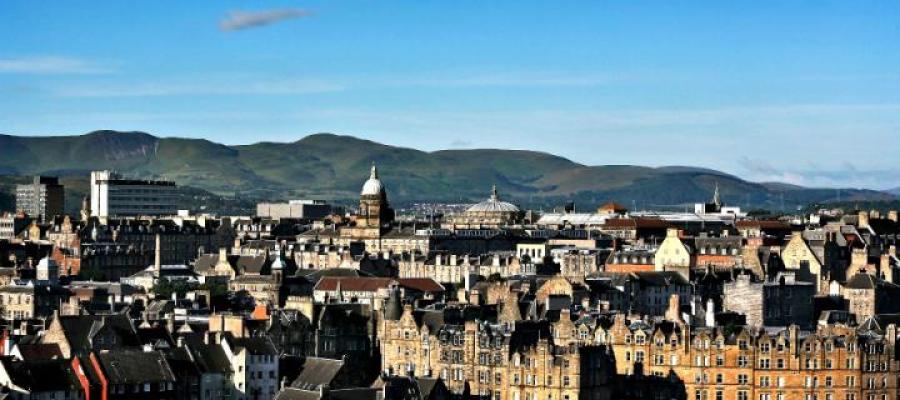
(294, 209)
(43, 198)
(114, 196)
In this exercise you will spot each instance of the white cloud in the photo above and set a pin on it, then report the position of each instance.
(207, 88)
(238, 20)
(510, 79)
(51, 65)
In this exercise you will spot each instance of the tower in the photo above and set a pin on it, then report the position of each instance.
(374, 211)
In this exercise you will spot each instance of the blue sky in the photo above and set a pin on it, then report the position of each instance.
(806, 92)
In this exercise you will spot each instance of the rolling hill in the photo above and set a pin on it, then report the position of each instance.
(333, 167)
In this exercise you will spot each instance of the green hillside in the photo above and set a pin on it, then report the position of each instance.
(333, 167)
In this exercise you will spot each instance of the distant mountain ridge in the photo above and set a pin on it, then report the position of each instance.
(330, 166)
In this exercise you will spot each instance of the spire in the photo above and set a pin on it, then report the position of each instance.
(374, 173)
(716, 199)
(494, 195)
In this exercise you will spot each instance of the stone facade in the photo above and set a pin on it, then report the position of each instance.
(830, 363)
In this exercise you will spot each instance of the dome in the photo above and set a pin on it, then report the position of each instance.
(494, 204)
(373, 186)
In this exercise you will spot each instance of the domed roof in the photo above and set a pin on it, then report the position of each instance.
(373, 186)
(493, 204)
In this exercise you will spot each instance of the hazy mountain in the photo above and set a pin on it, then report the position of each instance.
(334, 167)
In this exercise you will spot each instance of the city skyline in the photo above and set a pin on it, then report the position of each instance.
(772, 93)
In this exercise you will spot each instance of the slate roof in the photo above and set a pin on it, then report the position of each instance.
(426, 386)
(80, 329)
(862, 281)
(133, 367)
(431, 318)
(317, 372)
(297, 394)
(661, 278)
(255, 345)
(251, 264)
(210, 358)
(41, 376)
(155, 336)
(34, 352)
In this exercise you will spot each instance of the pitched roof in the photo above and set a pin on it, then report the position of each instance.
(79, 330)
(43, 351)
(135, 367)
(255, 345)
(41, 376)
(210, 358)
(861, 281)
(317, 372)
(298, 394)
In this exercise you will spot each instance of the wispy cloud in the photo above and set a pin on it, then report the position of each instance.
(461, 143)
(206, 88)
(51, 65)
(511, 79)
(238, 20)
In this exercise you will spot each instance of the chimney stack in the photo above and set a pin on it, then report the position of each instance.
(710, 314)
(157, 255)
(863, 220)
(892, 215)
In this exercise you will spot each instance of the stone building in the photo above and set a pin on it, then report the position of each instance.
(451, 268)
(799, 256)
(673, 254)
(632, 259)
(781, 301)
(719, 252)
(869, 295)
(27, 301)
(491, 213)
(375, 214)
(503, 360)
(835, 362)
(576, 264)
(744, 296)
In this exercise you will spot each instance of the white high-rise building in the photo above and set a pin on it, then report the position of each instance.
(114, 196)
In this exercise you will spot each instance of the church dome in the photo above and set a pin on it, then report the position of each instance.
(373, 186)
(494, 204)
